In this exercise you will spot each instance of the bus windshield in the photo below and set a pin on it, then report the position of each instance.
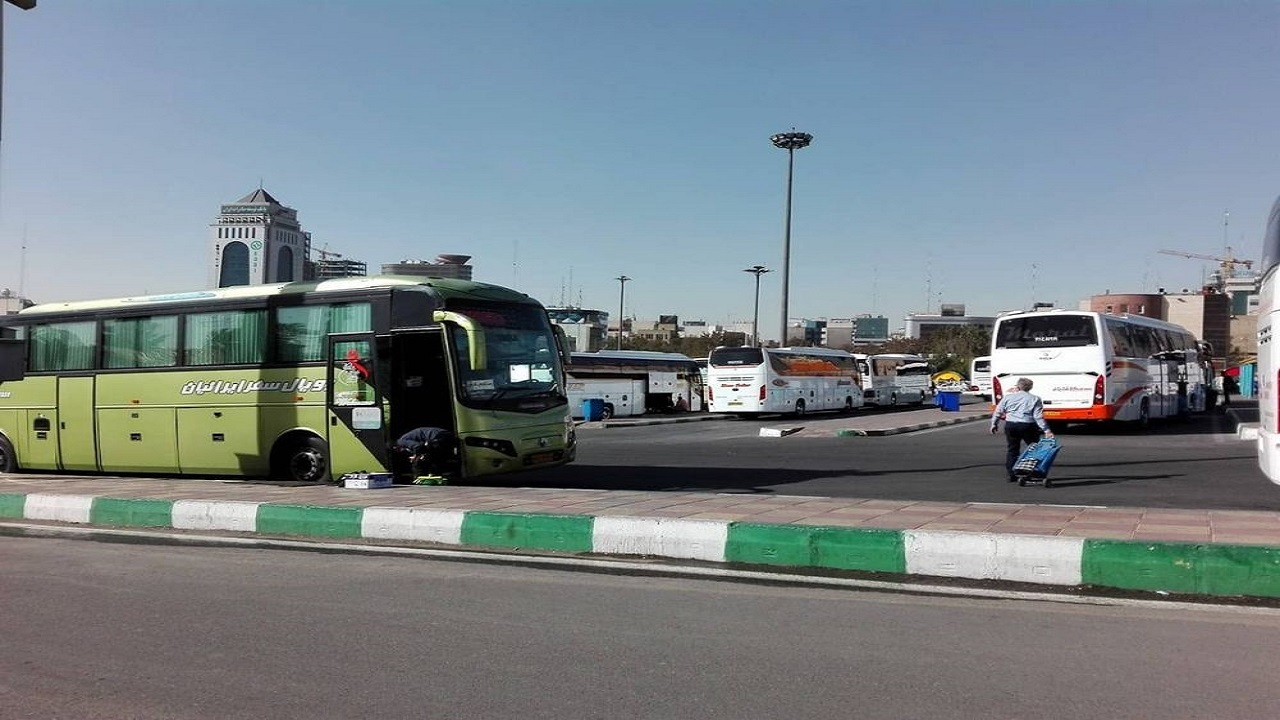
(522, 364)
(1039, 331)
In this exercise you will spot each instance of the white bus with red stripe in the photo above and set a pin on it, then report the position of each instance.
(1099, 367)
(753, 380)
(1268, 373)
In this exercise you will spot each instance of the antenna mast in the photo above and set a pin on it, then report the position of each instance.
(22, 265)
(1226, 220)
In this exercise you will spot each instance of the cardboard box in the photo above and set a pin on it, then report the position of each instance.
(367, 481)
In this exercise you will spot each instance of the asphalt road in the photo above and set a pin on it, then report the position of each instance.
(100, 630)
(1197, 464)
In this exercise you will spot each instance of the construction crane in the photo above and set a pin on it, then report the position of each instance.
(326, 255)
(1226, 264)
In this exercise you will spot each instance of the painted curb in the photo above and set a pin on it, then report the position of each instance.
(852, 432)
(1184, 568)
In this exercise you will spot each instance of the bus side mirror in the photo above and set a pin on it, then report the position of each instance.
(475, 337)
(562, 344)
(13, 359)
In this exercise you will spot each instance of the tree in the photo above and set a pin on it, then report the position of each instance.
(953, 348)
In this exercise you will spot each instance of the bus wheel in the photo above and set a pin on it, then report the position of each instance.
(799, 408)
(304, 460)
(8, 459)
(848, 404)
(607, 412)
(893, 400)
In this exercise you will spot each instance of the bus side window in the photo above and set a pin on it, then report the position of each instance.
(64, 346)
(140, 342)
(1120, 341)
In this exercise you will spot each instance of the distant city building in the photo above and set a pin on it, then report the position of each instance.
(699, 328)
(838, 333)
(665, 329)
(870, 330)
(1151, 306)
(922, 326)
(257, 240)
(744, 327)
(327, 269)
(584, 329)
(11, 303)
(1243, 291)
(803, 332)
(444, 266)
(1207, 314)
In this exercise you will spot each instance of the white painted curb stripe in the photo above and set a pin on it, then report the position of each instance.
(990, 556)
(660, 537)
(62, 508)
(436, 526)
(209, 515)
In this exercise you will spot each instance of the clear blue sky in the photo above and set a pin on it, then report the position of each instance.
(985, 153)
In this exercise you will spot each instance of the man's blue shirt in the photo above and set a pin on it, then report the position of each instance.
(1020, 407)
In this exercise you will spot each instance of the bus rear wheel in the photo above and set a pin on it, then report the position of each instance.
(8, 459)
(799, 408)
(305, 461)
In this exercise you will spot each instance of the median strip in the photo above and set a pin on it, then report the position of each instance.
(1185, 568)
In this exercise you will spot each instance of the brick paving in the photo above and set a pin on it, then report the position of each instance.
(1195, 526)
(1244, 527)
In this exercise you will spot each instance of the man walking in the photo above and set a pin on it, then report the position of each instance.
(1023, 416)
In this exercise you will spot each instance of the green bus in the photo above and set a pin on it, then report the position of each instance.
(300, 381)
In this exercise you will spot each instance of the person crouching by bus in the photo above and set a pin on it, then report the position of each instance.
(431, 452)
(1023, 416)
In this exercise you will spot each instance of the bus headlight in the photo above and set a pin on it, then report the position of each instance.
(502, 446)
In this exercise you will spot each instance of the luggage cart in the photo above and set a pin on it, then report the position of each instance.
(1034, 463)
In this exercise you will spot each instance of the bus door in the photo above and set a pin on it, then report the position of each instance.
(77, 432)
(419, 391)
(357, 425)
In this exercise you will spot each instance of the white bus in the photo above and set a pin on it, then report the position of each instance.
(1098, 367)
(752, 380)
(1268, 354)
(980, 377)
(893, 378)
(633, 382)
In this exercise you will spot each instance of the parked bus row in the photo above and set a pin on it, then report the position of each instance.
(298, 381)
(798, 380)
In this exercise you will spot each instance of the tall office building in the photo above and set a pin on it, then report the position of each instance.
(257, 240)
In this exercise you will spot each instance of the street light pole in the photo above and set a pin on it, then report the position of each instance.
(622, 294)
(790, 142)
(756, 270)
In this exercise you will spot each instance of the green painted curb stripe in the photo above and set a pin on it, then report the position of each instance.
(131, 512)
(309, 520)
(12, 505)
(1183, 568)
(801, 546)
(564, 533)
